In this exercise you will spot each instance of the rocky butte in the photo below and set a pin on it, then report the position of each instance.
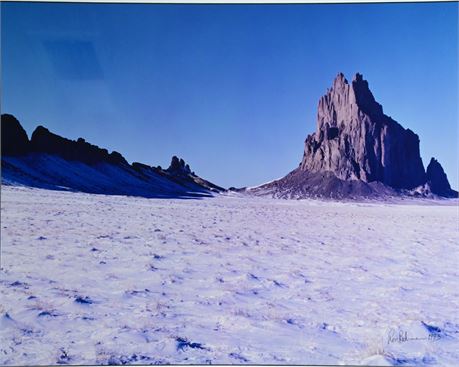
(357, 151)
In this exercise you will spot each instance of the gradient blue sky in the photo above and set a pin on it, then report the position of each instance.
(233, 89)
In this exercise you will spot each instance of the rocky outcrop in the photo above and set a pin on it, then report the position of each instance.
(15, 141)
(357, 151)
(179, 167)
(53, 162)
(355, 140)
(180, 173)
(438, 181)
(44, 141)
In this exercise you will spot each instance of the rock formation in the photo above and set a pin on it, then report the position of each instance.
(437, 180)
(51, 161)
(179, 172)
(356, 150)
(355, 140)
(44, 141)
(14, 138)
(179, 167)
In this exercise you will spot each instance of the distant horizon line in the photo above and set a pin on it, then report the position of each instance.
(132, 162)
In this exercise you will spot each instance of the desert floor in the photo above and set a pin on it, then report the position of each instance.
(100, 279)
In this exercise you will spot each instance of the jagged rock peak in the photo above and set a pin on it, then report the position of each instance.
(356, 141)
(340, 81)
(357, 77)
(437, 180)
(15, 141)
(179, 166)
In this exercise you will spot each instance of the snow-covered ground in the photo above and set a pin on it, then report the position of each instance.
(100, 279)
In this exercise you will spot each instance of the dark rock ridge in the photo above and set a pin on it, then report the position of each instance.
(44, 141)
(178, 172)
(15, 141)
(51, 161)
(437, 180)
(356, 149)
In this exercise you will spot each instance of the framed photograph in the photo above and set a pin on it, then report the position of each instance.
(231, 184)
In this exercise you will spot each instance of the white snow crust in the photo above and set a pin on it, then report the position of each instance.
(95, 279)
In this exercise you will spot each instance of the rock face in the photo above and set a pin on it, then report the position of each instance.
(179, 172)
(357, 151)
(53, 162)
(437, 180)
(44, 141)
(179, 167)
(14, 138)
(355, 140)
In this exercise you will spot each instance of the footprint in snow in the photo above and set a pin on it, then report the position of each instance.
(238, 357)
(183, 344)
(48, 314)
(279, 284)
(126, 360)
(433, 330)
(84, 300)
(63, 358)
(19, 284)
(137, 293)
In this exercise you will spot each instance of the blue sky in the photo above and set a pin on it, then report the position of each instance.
(233, 89)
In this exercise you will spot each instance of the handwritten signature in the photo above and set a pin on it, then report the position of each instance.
(401, 336)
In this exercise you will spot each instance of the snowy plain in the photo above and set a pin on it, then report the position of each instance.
(95, 279)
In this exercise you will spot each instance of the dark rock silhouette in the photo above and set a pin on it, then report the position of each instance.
(53, 162)
(14, 138)
(180, 173)
(355, 151)
(44, 141)
(178, 166)
(438, 181)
